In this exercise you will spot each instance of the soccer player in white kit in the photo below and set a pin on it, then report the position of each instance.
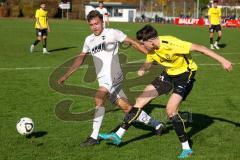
(103, 45)
(104, 12)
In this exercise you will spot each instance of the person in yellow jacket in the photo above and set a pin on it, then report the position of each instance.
(214, 18)
(42, 28)
(177, 78)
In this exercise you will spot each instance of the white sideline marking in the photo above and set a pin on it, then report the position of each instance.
(131, 62)
(226, 53)
(27, 68)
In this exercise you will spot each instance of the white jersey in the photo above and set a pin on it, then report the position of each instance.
(104, 49)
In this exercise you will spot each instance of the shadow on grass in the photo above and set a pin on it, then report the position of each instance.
(222, 45)
(37, 134)
(61, 49)
(196, 121)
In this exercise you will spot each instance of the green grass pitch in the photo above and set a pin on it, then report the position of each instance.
(27, 89)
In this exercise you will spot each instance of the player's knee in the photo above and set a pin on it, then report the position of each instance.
(99, 101)
(170, 112)
(123, 104)
(127, 109)
(100, 107)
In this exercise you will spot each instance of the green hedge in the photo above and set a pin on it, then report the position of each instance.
(15, 11)
(27, 8)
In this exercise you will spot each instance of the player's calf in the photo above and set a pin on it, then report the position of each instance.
(179, 128)
(34, 44)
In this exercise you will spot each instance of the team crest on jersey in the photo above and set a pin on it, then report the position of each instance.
(167, 56)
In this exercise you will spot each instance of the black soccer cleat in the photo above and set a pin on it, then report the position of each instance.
(160, 129)
(89, 142)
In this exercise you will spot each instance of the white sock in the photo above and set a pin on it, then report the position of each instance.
(97, 121)
(120, 132)
(185, 145)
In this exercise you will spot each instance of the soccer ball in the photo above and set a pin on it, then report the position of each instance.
(25, 126)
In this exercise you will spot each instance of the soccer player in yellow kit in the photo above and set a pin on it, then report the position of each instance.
(109, 73)
(174, 56)
(214, 18)
(42, 28)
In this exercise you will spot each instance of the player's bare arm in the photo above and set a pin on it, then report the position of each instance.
(226, 64)
(77, 63)
(146, 66)
(220, 21)
(136, 45)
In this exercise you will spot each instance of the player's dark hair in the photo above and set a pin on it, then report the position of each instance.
(215, 1)
(100, 2)
(147, 32)
(93, 14)
(42, 2)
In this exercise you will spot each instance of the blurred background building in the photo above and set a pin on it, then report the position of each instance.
(123, 10)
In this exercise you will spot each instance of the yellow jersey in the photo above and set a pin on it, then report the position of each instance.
(174, 55)
(215, 15)
(41, 15)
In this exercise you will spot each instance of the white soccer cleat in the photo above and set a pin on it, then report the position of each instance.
(32, 48)
(45, 51)
(216, 45)
(211, 46)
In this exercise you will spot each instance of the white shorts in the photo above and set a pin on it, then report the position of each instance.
(114, 88)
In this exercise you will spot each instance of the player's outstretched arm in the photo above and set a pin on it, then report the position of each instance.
(226, 64)
(146, 66)
(136, 45)
(77, 63)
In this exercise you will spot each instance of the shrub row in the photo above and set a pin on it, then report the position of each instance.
(26, 8)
